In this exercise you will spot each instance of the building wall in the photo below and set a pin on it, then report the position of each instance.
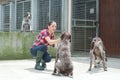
(110, 26)
(42, 11)
(16, 45)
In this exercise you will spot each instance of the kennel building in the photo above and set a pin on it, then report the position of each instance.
(105, 14)
(85, 19)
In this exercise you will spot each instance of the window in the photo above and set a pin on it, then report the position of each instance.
(22, 8)
(6, 17)
(49, 10)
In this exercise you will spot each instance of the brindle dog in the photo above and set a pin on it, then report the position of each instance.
(97, 53)
(64, 66)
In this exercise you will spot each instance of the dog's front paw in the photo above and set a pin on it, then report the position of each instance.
(53, 73)
(71, 76)
(105, 69)
(59, 74)
(89, 69)
(95, 66)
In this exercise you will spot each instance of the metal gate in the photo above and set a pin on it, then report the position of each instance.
(83, 24)
(49, 10)
(22, 8)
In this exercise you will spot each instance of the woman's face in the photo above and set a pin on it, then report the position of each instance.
(52, 27)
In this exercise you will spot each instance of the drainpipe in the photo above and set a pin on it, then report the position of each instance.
(97, 18)
(11, 17)
(69, 15)
(34, 19)
(66, 15)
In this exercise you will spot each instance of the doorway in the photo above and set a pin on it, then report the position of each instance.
(85, 15)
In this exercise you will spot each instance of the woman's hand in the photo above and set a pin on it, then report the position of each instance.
(51, 42)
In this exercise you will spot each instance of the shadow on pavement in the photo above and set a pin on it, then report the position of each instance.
(111, 63)
(47, 71)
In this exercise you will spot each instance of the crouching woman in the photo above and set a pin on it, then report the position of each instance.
(39, 47)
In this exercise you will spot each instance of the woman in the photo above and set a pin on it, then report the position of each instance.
(39, 48)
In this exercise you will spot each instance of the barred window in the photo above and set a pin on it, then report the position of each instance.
(49, 10)
(6, 17)
(22, 8)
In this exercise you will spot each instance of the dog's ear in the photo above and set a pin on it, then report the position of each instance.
(62, 36)
(91, 45)
(70, 37)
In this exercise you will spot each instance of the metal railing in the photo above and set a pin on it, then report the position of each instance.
(83, 23)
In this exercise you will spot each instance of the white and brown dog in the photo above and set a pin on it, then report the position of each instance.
(97, 53)
(63, 62)
(26, 23)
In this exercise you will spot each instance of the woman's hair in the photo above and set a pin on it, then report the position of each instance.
(49, 24)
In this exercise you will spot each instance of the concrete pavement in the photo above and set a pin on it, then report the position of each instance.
(24, 70)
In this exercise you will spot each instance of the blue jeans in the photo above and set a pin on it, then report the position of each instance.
(43, 48)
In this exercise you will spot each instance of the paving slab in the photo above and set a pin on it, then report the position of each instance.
(24, 70)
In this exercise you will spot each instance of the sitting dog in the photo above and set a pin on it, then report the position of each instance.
(64, 66)
(97, 52)
(26, 23)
